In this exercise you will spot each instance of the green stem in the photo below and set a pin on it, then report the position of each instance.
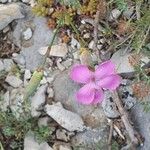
(51, 43)
(83, 43)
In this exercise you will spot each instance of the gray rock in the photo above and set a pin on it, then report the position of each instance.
(50, 92)
(27, 74)
(67, 119)
(1, 66)
(64, 147)
(19, 59)
(67, 63)
(60, 66)
(3, 1)
(115, 13)
(5, 102)
(127, 13)
(121, 60)
(8, 64)
(92, 115)
(43, 50)
(92, 139)
(141, 122)
(10, 12)
(30, 143)
(43, 121)
(109, 106)
(29, 49)
(63, 135)
(74, 43)
(16, 100)
(59, 50)
(27, 34)
(38, 100)
(26, 1)
(13, 81)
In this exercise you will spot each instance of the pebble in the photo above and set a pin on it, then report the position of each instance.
(74, 43)
(64, 147)
(27, 34)
(4, 103)
(50, 79)
(115, 13)
(60, 66)
(3, 1)
(8, 64)
(91, 44)
(43, 81)
(43, 50)
(27, 74)
(59, 50)
(76, 55)
(25, 1)
(67, 119)
(1, 66)
(63, 135)
(43, 121)
(6, 29)
(86, 35)
(50, 92)
(38, 100)
(67, 63)
(13, 81)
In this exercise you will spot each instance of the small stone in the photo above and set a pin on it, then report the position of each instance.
(4, 103)
(86, 35)
(60, 66)
(43, 81)
(127, 13)
(76, 55)
(13, 81)
(121, 61)
(115, 13)
(109, 107)
(6, 29)
(27, 34)
(50, 79)
(27, 74)
(43, 50)
(91, 44)
(38, 100)
(50, 92)
(43, 121)
(8, 64)
(1, 66)
(59, 50)
(62, 134)
(30, 143)
(67, 119)
(19, 59)
(64, 147)
(3, 1)
(25, 1)
(67, 63)
(10, 12)
(74, 43)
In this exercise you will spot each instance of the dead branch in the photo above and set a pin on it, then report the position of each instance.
(124, 117)
(110, 135)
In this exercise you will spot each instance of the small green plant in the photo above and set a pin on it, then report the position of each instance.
(16, 130)
(121, 4)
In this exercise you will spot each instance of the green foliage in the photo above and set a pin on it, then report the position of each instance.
(43, 133)
(16, 129)
(142, 28)
(121, 5)
(71, 3)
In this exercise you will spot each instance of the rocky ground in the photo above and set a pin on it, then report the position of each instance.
(54, 113)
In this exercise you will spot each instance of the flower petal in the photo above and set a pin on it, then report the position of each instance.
(81, 74)
(86, 94)
(110, 82)
(105, 69)
(99, 96)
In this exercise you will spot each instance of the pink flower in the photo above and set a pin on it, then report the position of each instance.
(104, 77)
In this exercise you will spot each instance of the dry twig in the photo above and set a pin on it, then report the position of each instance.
(110, 135)
(124, 117)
